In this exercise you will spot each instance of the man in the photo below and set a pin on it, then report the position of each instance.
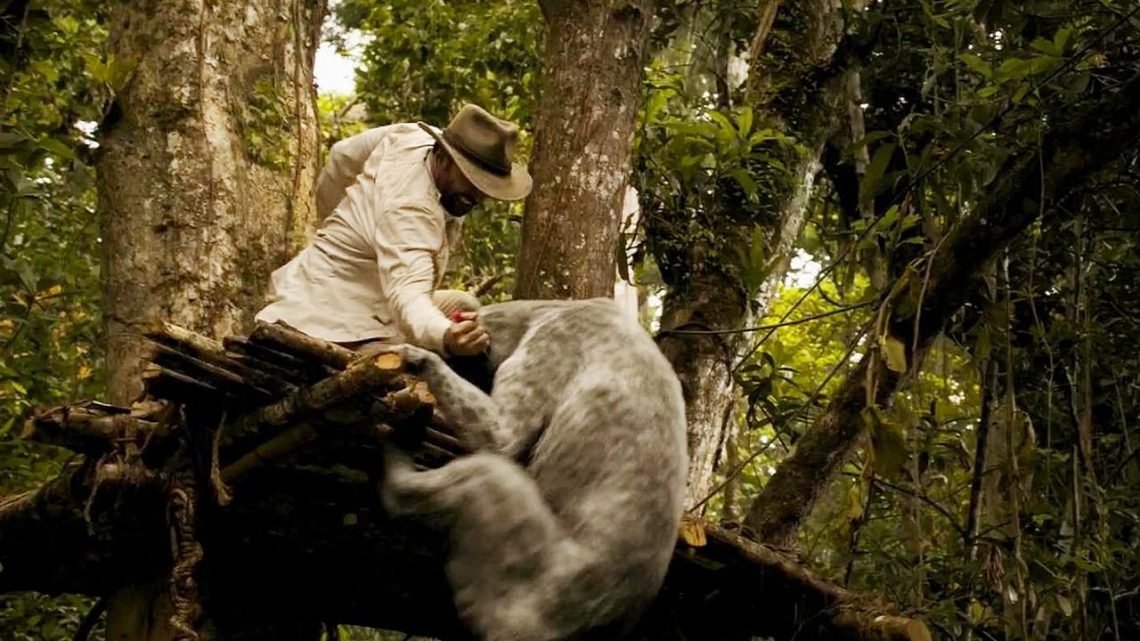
(395, 198)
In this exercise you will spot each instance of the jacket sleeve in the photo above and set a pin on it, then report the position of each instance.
(407, 238)
(345, 162)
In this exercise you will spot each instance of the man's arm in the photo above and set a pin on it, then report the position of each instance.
(345, 162)
(407, 239)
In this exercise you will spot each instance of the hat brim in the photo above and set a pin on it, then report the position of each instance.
(513, 186)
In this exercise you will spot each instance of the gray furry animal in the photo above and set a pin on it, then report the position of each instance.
(575, 544)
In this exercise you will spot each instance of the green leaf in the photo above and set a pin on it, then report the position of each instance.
(874, 136)
(1079, 82)
(977, 611)
(764, 135)
(891, 451)
(1044, 46)
(894, 353)
(977, 65)
(1020, 92)
(1013, 69)
(655, 105)
(10, 140)
(703, 130)
(725, 132)
(56, 146)
(754, 268)
(871, 184)
(744, 121)
(119, 72)
(1042, 64)
(1065, 606)
(28, 277)
(1061, 38)
(744, 179)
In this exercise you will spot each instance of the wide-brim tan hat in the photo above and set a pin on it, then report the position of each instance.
(483, 146)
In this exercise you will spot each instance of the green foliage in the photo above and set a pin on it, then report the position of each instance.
(701, 168)
(49, 315)
(35, 617)
(336, 117)
(266, 129)
(55, 75)
(948, 100)
(423, 60)
(355, 633)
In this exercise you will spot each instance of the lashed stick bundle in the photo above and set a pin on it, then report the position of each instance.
(279, 389)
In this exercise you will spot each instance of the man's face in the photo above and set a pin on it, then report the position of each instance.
(457, 195)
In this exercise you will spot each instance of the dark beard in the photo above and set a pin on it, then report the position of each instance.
(457, 205)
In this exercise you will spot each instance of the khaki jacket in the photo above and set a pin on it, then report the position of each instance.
(381, 250)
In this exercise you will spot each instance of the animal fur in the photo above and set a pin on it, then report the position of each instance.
(563, 521)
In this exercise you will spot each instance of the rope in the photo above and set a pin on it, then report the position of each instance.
(222, 493)
(187, 554)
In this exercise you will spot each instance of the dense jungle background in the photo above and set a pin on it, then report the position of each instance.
(891, 247)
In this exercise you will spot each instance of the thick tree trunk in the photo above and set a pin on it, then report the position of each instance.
(1071, 153)
(207, 164)
(206, 177)
(791, 88)
(703, 363)
(592, 69)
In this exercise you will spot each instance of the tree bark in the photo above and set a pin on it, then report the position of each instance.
(207, 165)
(591, 86)
(1072, 152)
(206, 179)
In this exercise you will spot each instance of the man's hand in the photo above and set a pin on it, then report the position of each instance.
(465, 337)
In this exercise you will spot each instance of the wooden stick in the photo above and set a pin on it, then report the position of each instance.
(265, 353)
(186, 342)
(296, 369)
(294, 342)
(271, 450)
(414, 395)
(161, 382)
(291, 377)
(362, 377)
(201, 346)
(217, 376)
(90, 428)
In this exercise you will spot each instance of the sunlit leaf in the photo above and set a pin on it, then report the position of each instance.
(894, 353)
